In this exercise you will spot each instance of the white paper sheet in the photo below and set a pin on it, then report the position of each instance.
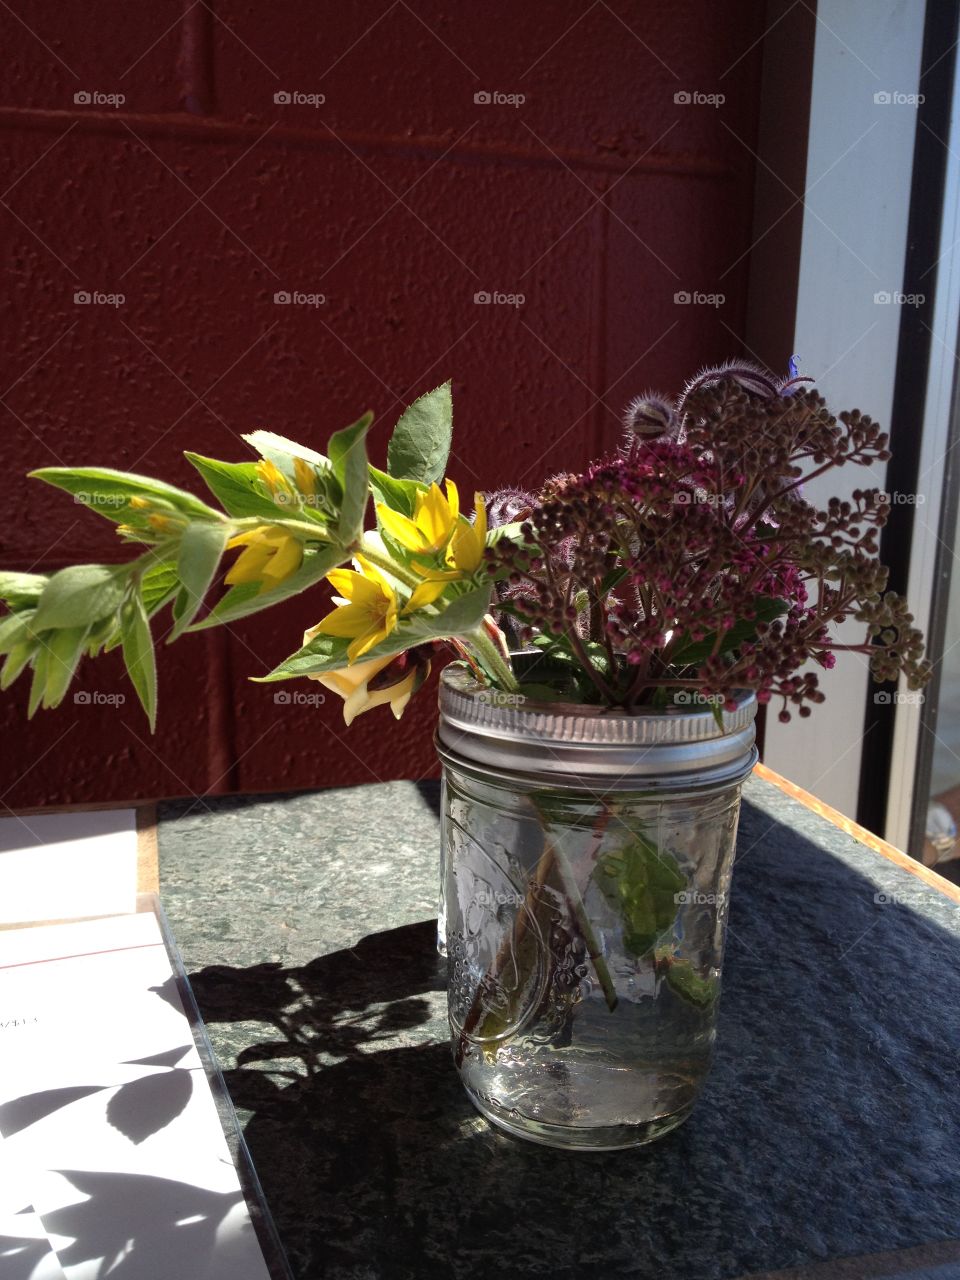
(112, 1148)
(61, 866)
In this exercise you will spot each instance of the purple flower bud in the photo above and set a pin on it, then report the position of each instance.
(793, 378)
(648, 416)
(751, 377)
(507, 505)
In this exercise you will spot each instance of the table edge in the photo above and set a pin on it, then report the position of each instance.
(865, 837)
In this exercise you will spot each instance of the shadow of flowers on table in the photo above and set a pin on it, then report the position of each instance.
(122, 1223)
(138, 1108)
(131, 1225)
(822, 1130)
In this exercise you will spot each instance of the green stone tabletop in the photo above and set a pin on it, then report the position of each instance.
(828, 1129)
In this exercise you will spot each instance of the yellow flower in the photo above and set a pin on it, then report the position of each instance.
(425, 594)
(352, 683)
(278, 486)
(464, 552)
(306, 477)
(271, 555)
(369, 613)
(467, 544)
(164, 524)
(434, 520)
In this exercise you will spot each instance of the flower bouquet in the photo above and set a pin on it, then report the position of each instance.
(613, 630)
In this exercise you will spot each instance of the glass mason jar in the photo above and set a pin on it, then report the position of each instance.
(587, 858)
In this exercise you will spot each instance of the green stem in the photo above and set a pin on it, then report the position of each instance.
(493, 660)
(398, 571)
(317, 532)
(594, 950)
(605, 691)
(548, 861)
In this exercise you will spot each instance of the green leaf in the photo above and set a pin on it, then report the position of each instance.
(641, 883)
(247, 598)
(64, 649)
(114, 640)
(399, 495)
(139, 657)
(235, 486)
(688, 984)
(556, 664)
(328, 653)
(38, 684)
(104, 635)
(322, 653)
(420, 444)
(510, 531)
(690, 653)
(79, 595)
(201, 547)
(16, 660)
(348, 454)
(20, 590)
(109, 492)
(461, 616)
(15, 629)
(158, 585)
(280, 451)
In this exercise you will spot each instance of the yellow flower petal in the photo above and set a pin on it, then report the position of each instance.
(273, 478)
(401, 528)
(398, 704)
(163, 524)
(364, 643)
(335, 681)
(271, 554)
(398, 695)
(306, 477)
(453, 500)
(352, 684)
(374, 575)
(285, 561)
(354, 586)
(468, 542)
(347, 621)
(243, 539)
(249, 567)
(436, 575)
(425, 594)
(345, 679)
(270, 534)
(433, 516)
(480, 523)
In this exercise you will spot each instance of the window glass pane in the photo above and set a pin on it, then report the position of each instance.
(943, 811)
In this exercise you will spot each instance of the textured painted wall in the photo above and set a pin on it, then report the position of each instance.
(200, 196)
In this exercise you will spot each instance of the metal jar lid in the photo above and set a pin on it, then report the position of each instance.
(589, 746)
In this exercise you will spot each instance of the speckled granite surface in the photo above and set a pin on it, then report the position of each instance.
(829, 1126)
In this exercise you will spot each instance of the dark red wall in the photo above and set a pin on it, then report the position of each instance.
(598, 198)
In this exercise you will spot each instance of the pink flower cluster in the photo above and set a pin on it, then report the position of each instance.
(691, 560)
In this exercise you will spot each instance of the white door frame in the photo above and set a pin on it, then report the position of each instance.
(856, 206)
